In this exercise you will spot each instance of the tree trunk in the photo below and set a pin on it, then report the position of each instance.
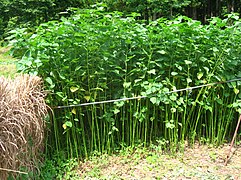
(230, 6)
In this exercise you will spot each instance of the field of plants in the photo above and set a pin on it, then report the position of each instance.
(94, 56)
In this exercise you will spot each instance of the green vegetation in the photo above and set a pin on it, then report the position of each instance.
(87, 55)
(96, 56)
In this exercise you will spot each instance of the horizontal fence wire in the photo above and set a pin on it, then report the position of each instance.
(143, 97)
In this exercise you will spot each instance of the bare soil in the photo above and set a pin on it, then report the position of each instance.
(198, 162)
(7, 63)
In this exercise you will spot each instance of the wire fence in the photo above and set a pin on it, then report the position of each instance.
(143, 97)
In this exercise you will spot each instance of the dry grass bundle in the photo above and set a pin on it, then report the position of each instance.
(22, 109)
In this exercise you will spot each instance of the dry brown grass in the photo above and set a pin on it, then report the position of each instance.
(22, 109)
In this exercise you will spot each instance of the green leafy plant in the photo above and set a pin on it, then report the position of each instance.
(96, 56)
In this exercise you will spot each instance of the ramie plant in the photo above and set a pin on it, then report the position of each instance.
(96, 56)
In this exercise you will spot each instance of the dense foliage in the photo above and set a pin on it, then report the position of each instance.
(96, 56)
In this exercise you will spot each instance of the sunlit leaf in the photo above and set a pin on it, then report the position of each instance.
(173, 97)
(116, 111)
(153, 71)
(189, 80)
(74, 89)
(162, 52)
(153, 100)
(236, 91)
(174, 73)
(215, 49)
(173, 110)
(73, 111)
(126, 84)
(68, 124)
(64, 126)
(199, 75)
(119, 103)
(187, 62)
(87, 98)
(170, 125)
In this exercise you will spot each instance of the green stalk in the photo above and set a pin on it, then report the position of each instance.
(83, 135)
(135, 130)
(147, 119)
(56, 133)
(152, 124)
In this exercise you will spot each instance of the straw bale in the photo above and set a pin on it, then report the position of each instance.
(22, 112)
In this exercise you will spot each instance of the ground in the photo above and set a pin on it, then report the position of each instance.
(198, 162)
(7, 63)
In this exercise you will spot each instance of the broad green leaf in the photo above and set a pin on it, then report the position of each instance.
(73, 111)
(68, 124)
(236, 91)
(97, 89)
(189, 80)
(199, 75)
(60, 94)
(153, 71)
(215, 49)
(137, 80)
(116, 111)
(119, 103)
(206, 69)
(50, 82)
(219, 101)
(126, 84)
(187, 62)
(173, 110)
(74, 89)
(170, 125)
(87, 98)
(115, 129)
(173, 97)
(75, 119)
(162, 52)
(64, 126)
(153, 100)
(62, 76)
(174, 73)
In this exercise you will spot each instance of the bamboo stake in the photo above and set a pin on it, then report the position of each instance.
(11, 170)
(231, 145)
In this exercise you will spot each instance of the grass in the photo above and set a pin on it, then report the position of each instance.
(7, 63)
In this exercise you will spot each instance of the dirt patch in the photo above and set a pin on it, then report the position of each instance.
(4, 50)
(199, 162)
(7, 63)
(8, 70)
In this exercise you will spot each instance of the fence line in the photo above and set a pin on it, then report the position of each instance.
(142, 97)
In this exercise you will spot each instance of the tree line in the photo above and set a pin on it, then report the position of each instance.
(29, 13)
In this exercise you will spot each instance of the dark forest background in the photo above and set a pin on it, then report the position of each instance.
(29, 13)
